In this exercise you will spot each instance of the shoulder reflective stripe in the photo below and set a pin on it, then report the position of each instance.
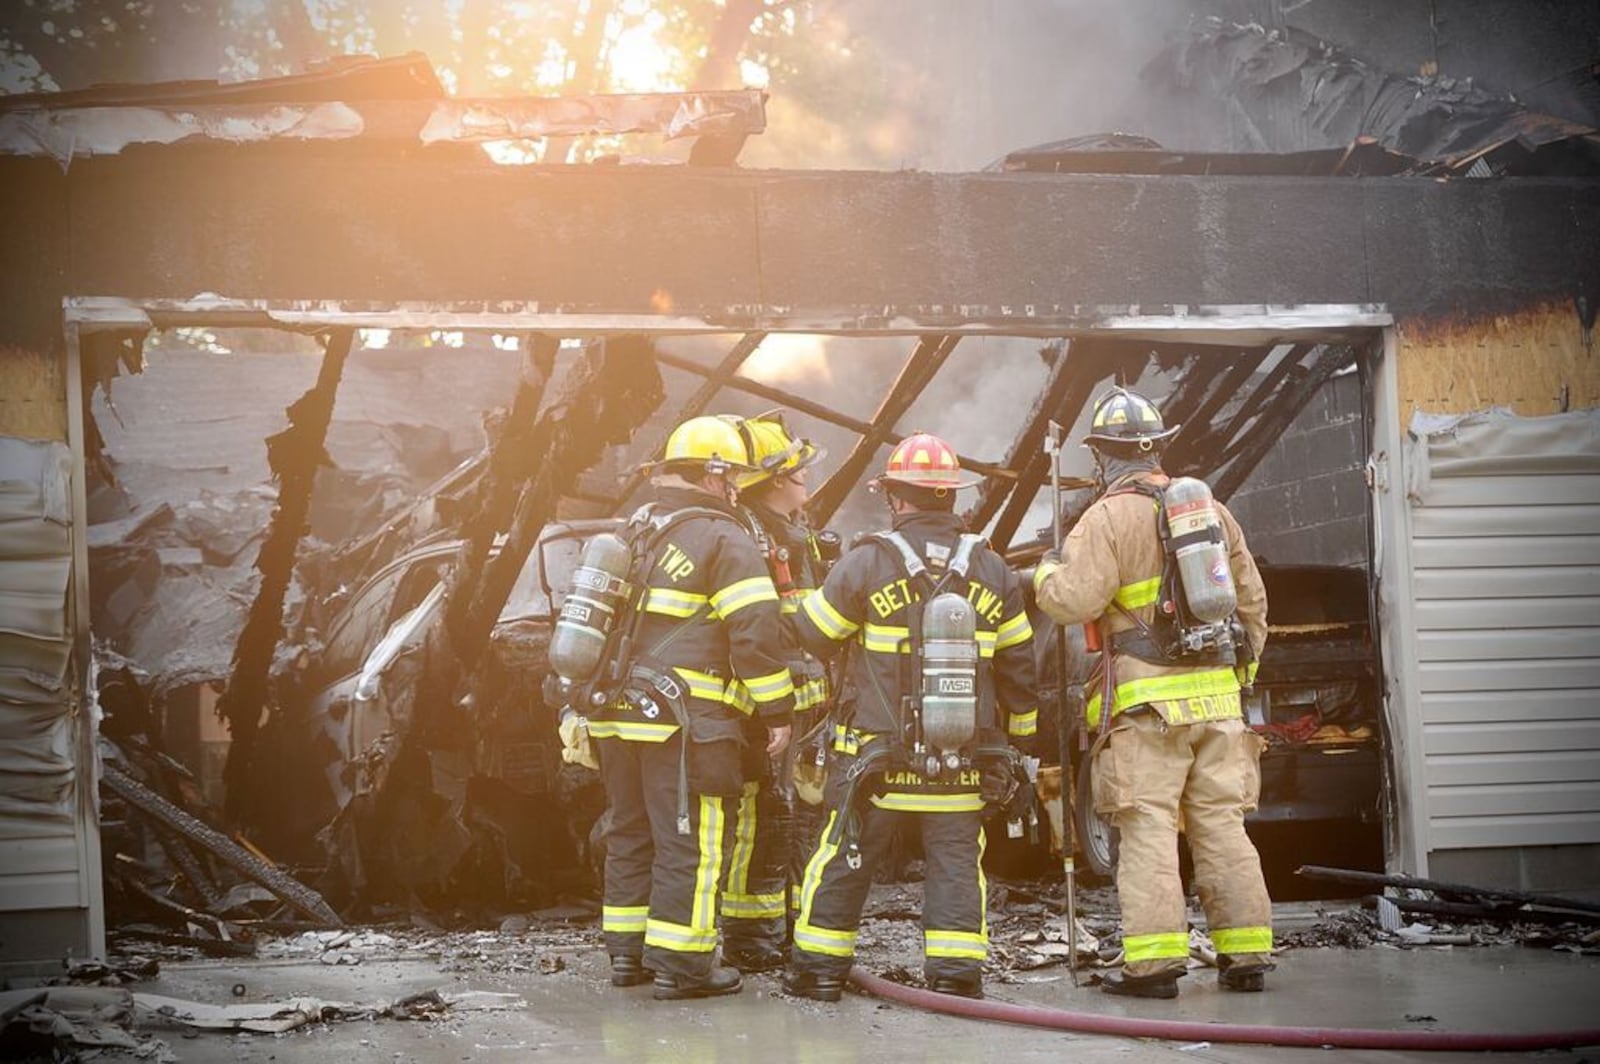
(633, 731)
(929, 803)
(666, 601)
(737, 596)
(1204, 683)
(1143, 593)
(961, 563)
(886, 639)
(1023, 725)
(829, 621)
(1014, 631)
(624, 919)
(771, 687)
(1155, 947)
(971, 945)
(1236, 940)
(908, 557)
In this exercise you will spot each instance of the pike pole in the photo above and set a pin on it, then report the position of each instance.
(1052, 446)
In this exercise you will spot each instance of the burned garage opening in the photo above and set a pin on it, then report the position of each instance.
(329, 627)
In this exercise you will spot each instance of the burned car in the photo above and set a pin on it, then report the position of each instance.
(1316, 701)
(418, 796)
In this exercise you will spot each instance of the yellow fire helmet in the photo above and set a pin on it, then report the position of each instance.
(710, 440)
(773, 449)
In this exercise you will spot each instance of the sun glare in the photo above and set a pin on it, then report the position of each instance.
(637, 60)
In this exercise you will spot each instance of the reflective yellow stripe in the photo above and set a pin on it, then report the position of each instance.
(752, 906)
(1249, 673)
(702, 684)
(986, 643)
(744, 843)
(709, 873)
(1023, 725)
(624, 919)
(1237, 940)
(969, 945)
(789, 605)
(1017, 630)
(664, 934)
(807, 936)
(1205, 684)
(1043, 573)
(849, 741)
(1155, 947)
(633, 731)
(811, 694)
(886, 639)
(712, 689)
(670, 603)
(771, 687)
(829, 621)
(1143, 593)
(737, 596)
(983, 883)
(929, 803)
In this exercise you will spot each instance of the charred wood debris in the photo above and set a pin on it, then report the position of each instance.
(453, 809)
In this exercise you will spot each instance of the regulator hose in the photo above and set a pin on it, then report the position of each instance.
(1189, 1031)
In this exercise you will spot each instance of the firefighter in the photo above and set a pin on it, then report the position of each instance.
(755, 900)
(1177, 744)
(706, 655)
(870, 608)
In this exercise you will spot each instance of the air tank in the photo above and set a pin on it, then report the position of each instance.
(949, 673)
(1198, 546)
(598, 593)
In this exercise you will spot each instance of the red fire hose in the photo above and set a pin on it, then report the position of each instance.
(1187, 1031)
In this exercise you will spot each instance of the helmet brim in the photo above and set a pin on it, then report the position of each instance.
(1164, 436)
(961, 482)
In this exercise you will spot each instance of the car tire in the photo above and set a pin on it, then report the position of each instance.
(1097, 837)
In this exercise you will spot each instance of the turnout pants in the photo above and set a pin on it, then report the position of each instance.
(954, 914)
(660, 898)
(755, 898)
(1144, 774)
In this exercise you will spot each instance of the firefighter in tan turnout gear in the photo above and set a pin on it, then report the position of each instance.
(755, 900)
(939, 669)
(1165, 572)
(696, 652)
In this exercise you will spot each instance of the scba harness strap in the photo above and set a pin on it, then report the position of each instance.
(1171, 639)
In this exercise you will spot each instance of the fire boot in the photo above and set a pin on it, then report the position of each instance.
(813, 985)
(717, 982)
(1242, 978)
(959, 987)
(753, 957)
(629, 971)
(1121, 984)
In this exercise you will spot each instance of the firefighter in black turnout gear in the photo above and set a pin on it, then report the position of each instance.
(940, 675)
(755, 899)
(704, 656)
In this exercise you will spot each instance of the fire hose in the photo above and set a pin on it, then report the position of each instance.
(1190, 1031)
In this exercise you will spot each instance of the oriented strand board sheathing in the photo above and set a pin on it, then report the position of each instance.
(1522, 361)
(33, 395)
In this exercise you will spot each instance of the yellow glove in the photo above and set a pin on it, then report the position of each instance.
(810, 781)
(576, 748)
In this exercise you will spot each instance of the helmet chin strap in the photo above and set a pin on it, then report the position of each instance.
(1110, 468)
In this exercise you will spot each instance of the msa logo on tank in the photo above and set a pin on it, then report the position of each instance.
(898, 594)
